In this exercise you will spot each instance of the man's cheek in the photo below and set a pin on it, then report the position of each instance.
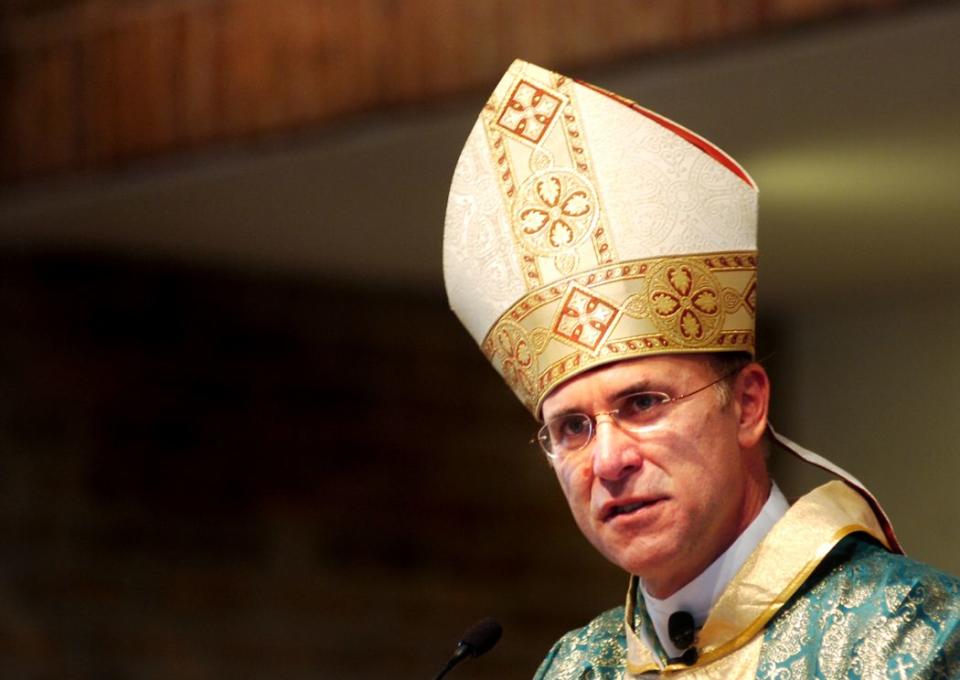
(569, 485)
(578, 475)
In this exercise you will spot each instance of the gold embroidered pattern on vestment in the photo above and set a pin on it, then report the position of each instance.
(776, 569)
(859, 621)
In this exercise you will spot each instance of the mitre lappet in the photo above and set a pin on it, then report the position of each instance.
(584, 229)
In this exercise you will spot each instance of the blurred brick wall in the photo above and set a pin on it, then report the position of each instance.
(208, 474)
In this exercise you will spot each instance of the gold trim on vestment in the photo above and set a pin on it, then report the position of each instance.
(776, 569)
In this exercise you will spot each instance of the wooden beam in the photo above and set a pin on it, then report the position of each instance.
(88, 84)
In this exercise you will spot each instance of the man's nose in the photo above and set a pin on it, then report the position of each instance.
(615, 453)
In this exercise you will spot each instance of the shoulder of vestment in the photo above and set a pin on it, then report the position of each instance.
(866, 612)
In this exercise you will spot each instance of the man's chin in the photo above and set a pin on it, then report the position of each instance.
(646, 561)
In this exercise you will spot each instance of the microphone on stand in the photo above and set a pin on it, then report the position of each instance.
(478, 639)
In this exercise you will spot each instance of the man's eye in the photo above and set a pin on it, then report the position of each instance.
(570, 431)
(572, 427)
(640, 404)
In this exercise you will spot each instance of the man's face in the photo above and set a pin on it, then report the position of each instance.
(663, 502)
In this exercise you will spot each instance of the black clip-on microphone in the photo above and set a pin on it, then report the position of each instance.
(683, 634)
(478, 639)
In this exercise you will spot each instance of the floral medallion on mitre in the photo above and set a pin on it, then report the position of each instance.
(684, 302)
(554, 211)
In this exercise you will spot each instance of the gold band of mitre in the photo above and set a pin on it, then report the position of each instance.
(665, 305)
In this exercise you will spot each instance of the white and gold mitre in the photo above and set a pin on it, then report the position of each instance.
(583, 229)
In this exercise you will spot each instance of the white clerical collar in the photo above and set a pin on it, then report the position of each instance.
(699, 596)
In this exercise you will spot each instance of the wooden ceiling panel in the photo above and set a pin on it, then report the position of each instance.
(87, 84)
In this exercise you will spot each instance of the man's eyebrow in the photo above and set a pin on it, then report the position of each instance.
(569, 411)
(642, 385)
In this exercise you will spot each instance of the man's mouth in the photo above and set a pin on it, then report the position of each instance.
(616, 509)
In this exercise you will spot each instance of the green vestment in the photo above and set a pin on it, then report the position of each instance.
(820, 597)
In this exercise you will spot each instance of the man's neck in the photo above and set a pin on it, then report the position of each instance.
(699, 595)
(699, 557)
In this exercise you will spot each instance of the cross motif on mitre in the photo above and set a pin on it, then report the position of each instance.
(585, 319)
(529, 111)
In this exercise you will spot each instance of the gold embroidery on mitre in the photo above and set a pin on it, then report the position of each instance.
(684, 299)
(585, 319)
(499, 153)
(516, 354)
(731, 299)
(636, 306)
(529, 111)
(545, 176)
(577, 147)
(566, 264)
(619, 311)
(540, 337)
(750, 296)
(554, 211)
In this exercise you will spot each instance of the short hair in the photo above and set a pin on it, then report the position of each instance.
(730, 364)
(727, 364)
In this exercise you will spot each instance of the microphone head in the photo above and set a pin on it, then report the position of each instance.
(481, 636)
(681, 629)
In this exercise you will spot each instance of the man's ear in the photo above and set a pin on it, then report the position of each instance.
(751, 392)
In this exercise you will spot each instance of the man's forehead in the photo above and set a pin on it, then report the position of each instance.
(608, 380)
